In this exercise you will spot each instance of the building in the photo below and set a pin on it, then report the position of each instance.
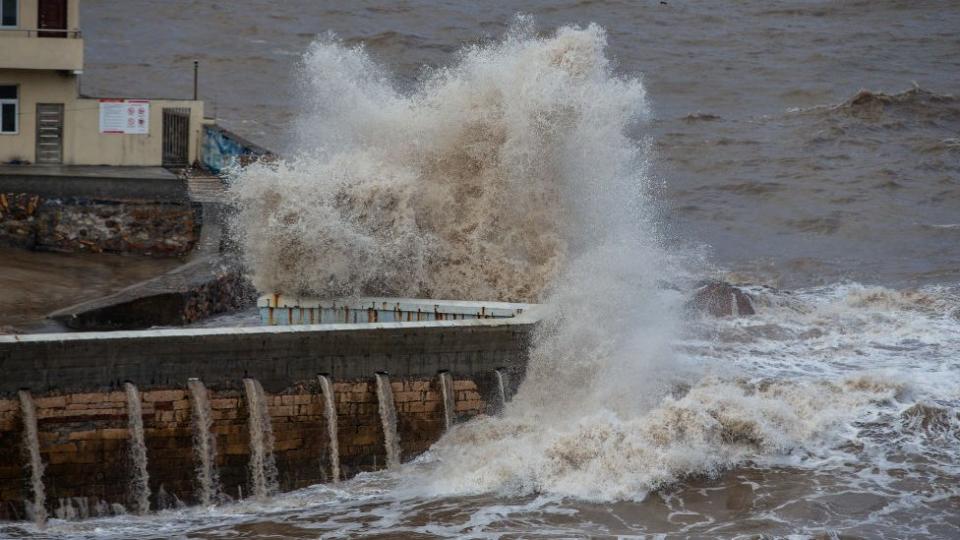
(45, 120)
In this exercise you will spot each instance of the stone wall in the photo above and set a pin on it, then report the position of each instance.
(76, 381)
(81, 224)
(277, 356)
(84, 440)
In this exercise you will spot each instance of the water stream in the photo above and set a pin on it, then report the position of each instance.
(330, 410)
(204, 444)
(449, 400)
(501, 388)
(140, 479)
(31, 441)
(388, 418)
(263, 466)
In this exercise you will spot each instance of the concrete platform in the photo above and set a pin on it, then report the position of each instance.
(94, 181)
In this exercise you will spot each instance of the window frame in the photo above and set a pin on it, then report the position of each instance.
(16, 15)
(16, 110)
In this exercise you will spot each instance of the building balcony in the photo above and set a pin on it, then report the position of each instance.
(41, 49)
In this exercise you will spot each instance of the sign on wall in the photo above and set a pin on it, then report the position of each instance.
(125, 116)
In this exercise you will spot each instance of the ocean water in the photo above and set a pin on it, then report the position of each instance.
(602, 157)
(763, 156)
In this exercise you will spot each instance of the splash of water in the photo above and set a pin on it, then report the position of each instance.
(31, 442)
(204, 443)
(449, 401)
(330, 410)
(140, 481)
(72, 508)
(464, 188)
(263, 466)
(508, 175)
(388, 419)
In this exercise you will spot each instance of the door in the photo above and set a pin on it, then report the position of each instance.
(176, 137)
(52, 15)
(49, 133)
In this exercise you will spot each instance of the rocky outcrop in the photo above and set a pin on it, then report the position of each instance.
(721, 299)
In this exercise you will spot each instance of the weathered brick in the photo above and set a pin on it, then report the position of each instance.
(88, 398)
(163, 395)
(114, 433)
(464, 384)
(181, 404)
(236, 449)
(401, 397)
(48, 402)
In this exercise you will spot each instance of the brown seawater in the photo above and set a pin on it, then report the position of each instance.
(831, 413)
(67, 279)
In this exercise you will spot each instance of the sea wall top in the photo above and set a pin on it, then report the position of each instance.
(278, 356)
(279, 309)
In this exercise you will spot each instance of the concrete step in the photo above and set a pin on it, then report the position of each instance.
(206, 189)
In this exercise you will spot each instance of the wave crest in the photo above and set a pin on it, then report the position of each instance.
(464, 188)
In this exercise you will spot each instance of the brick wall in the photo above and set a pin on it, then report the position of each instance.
(84, 439)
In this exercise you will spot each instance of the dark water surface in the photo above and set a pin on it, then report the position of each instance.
(766, 150)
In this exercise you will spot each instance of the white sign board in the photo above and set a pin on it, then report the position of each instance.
(125, 116)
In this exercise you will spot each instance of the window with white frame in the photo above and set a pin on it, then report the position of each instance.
(9, 105)
(8, 13)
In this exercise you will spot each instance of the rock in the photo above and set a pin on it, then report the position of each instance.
(720, 299)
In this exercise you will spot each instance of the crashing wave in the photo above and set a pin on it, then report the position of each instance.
(465, 188)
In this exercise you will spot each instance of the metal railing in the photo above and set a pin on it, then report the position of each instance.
(40, 32)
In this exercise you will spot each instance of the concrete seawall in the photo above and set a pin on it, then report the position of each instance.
(76, 381)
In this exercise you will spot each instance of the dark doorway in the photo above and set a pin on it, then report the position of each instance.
(52, 16)
(176, 137)
(49, 133)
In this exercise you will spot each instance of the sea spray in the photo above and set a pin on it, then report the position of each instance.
(204, 444)
(140, 480)
(31, 442)
(508, 175)
(263, 466)
(388, 419)
(466, 188)
(512, 174)
(73, 508)
(449, 403)
(330, 410)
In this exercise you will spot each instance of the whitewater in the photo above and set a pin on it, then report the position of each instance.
(516, 174)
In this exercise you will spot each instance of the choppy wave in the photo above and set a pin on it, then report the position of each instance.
(603, 456)
(873, 105)
(465, 188)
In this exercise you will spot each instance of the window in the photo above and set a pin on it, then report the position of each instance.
(8, 13)
(8, 109)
